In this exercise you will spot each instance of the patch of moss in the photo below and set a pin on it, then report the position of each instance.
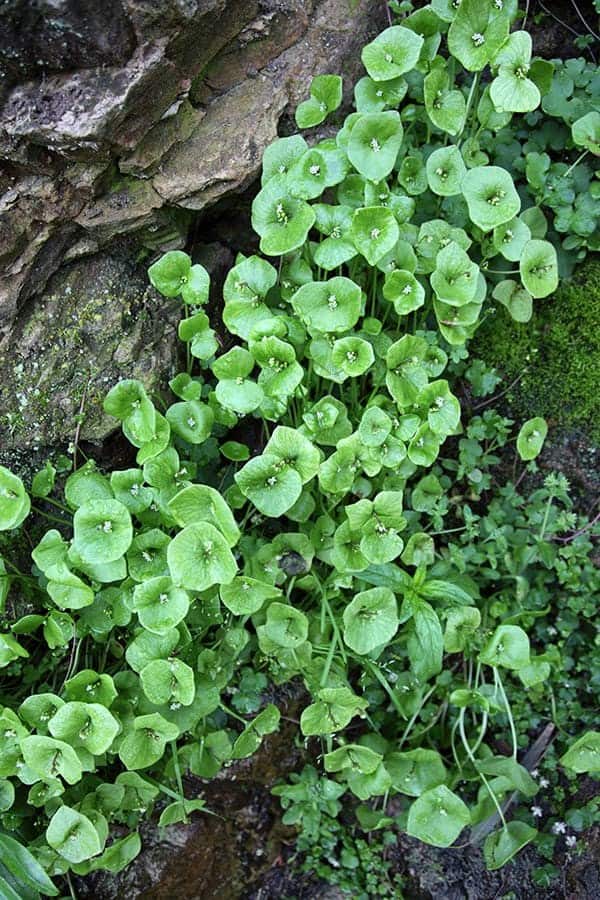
(559, 349)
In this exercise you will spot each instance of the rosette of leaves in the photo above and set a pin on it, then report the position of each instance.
(477, 32)
(282, 220)
(173, 275)
(325, 97)
(246, 286)
(511, 90)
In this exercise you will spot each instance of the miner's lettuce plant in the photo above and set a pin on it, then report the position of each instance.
(285, 518)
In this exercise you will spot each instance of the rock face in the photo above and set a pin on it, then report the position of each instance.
(119, 124)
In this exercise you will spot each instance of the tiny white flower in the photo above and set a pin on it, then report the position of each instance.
(535, 773)
(537, 812)
(571, 841)
(559, 828)
(544, 782)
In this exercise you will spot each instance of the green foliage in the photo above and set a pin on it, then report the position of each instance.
(557, 354)
(313, 504)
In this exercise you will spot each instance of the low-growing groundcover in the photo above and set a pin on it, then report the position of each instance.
(364, 543)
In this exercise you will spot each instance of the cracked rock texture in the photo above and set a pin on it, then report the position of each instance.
(120, 122)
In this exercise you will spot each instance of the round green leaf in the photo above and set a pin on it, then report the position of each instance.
(374, 144)
(14, 501)
(374, 232)
(72, 835)
(199, 557)
(245, 596)
(191, 420)
(531, 437)
(88, 725)
(586, 132)
(404, 291)
(160, 605)
(515, 298)
(327, 306)
(102, 531)
(539, 268)
(145, 742)
(170, 273)
(584, 754)
(445, 171)
(353, 355)
(437, 817)
(282, 221)
(502, 845)
(370, 620)
(508, 647)
(168, 681)
(477, 32)
(325, 97)
(491, 196)
(273, 489)
(393, 52)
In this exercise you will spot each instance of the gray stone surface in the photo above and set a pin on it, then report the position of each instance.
(117, 127)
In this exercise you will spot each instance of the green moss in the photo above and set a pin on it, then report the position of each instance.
(559, 351)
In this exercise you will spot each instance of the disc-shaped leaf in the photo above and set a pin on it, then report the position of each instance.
(437, 817)
(491, 196)
(512, 90)
(406, 372)
(315, 171)
(14, 501)
(502, 845)
(88, 725)
(455, 277)
(202, 503)
(508, 647)
(477, 32)
(129, 402)
(415, 771)
(586, 132)
(147, 556)
(404, 291)
(445, 171)
(170, 273)
(145, 742)
(539, 268)
(191, 420)
(510, 239)
(282, 221)
(102, 531)
(273, 489)
(328, 306)
(337, 247)
(279, 156)
(50, 758)
(424, 446)
(584, 754)
(245, 288)
(515, 298)
(295, 451)
(392, 53)
(73, 835)
(199, 557)
(353, 355)
(244, 596)
(128, 487)
(441, 407)
(325, 97)
(374, 144)
(446, 107)
(332, 710)
(374, 96)
(370, 620)
(168, 681)
(531, 437)
(374, 232)
(285, 626)
(160, 605)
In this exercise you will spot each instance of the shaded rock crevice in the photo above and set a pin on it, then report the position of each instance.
(112, 154)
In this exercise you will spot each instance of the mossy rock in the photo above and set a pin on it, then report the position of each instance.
(559, 349)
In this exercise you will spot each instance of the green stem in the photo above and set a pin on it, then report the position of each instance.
(230, 712)
(48, 516)
(576, 163)
(463, 737)
(179, 779)
(546, 517)
(415, 716)
(376, 672)
(511, 722)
